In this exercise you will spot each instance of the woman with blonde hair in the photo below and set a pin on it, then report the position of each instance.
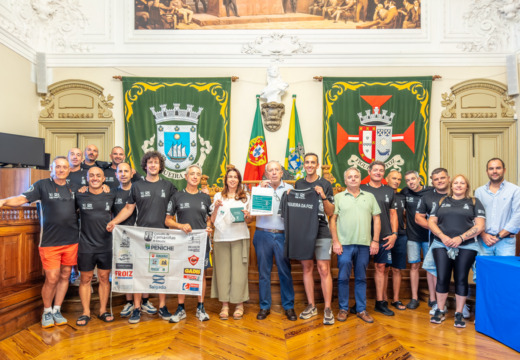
(231, 241)
(455, 220)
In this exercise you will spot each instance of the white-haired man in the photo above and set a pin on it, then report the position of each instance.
(352, 241)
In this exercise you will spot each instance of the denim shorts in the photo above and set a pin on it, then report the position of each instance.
(383, 256)
(414, 251)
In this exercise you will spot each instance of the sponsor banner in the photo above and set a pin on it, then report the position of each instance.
(158, 260)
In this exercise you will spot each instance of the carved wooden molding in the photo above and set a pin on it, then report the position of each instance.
(478, 87)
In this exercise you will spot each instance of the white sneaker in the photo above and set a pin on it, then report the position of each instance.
(465, 312)
(127, 310)
(148, 308)
(201, 314)
(178, 316)
(435, 307)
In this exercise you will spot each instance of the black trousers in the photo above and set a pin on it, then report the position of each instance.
(460, 268)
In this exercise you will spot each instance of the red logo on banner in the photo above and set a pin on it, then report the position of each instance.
(193, 260)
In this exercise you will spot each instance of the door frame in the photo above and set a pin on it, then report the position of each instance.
(449, 127)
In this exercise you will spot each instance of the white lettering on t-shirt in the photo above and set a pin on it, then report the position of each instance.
(304, 206)
(145, 194)
(87, 207)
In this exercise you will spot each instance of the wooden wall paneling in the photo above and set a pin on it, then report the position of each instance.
(33, 264)
(14, 181)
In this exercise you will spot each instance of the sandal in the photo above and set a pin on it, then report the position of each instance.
(83, 318)
(239, 312)
(104, 317)
(224, 313)
(397, 305)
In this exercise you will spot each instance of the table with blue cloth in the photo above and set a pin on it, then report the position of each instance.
(498, 299)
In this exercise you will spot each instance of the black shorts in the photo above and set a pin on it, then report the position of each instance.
(383, 256)
(88, 261)
(399, 253)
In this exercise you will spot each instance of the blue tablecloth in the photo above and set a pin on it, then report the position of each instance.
(498, 299)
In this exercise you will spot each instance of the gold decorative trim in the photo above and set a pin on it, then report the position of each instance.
(478, 115)
(75, 116)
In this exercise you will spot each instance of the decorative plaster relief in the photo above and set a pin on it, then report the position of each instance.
(493, 21)
(47, 25)
(276, 45)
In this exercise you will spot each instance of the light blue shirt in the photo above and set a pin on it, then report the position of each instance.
(274, 222)
(502, 208)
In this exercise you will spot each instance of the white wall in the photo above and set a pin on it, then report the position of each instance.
(308, 91)
(18, 97)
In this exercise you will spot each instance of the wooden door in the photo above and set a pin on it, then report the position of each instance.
(62, 143)
(98, 139)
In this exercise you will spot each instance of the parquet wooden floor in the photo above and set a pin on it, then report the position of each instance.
(408, 335)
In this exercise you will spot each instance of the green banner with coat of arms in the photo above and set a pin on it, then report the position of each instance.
(185, 119)
(369, 119)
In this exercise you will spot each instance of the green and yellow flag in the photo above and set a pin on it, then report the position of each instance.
(295, 149)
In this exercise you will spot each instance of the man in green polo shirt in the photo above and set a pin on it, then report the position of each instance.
(353, 242)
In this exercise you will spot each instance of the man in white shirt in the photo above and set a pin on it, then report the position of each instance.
(269, 241)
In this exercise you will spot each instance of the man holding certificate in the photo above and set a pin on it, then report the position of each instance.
(269, 241)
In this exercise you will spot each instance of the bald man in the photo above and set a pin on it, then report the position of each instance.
(77, 175)
(91, 155)
(117, 155)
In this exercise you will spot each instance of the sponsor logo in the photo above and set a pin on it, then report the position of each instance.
(126, 274)
(194, 248)
(125, 242)
(124, 256)
(192, 277)
(193, 240)
(159, 263)
(193, 260)
(125, 287)
(190, 287)
(159, 247)
(148, 235)
(124, 266)
(158, 282)
(192, 271)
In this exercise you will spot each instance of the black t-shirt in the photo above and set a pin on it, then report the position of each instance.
(99, 164)
(152, 200)
(59, 218)
(455, 217)
(399, 205)
(414, 231)
(324, 231)
(299, 210)
(192, 209)
(385, 199)
(78, 177)
(111, 178)
(95, 214)
(121, 198)
(425, 206)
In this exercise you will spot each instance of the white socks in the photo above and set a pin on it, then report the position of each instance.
(47, 310)
(56, 309)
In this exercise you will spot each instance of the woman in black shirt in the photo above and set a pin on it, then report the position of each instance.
(455, 220)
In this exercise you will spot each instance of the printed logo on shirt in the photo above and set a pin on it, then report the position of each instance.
(466, 207)
(202, 206)
(299, 196)
(54, 196)
(184, 205)
(402, 203)
(88, 207)
(386, 198)
(83, 181)
(107, 208)
(30, 189)
(321, 206)
(445, 205)
(119, 201)
(170, 205)
(409, 199)
(434, 205)
(193, 260)
(163, 194)
(145, 194)
(481, 211)
(419, 203)
(109, 179)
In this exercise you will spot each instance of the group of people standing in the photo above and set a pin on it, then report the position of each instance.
(373, 219)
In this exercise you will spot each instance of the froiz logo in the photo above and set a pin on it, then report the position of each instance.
(158, 279)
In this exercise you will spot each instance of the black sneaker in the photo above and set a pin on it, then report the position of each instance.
(459, 320)
(164, 313)
(439, 317)
(380, 307)
(431, 303)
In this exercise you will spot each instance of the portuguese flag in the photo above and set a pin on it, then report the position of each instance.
(257, 152)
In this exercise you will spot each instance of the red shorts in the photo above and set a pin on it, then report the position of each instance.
(55, 256)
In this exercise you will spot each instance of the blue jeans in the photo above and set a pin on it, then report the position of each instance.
(266, 245)
(414, 251)
(359, 256)
(505, 247)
